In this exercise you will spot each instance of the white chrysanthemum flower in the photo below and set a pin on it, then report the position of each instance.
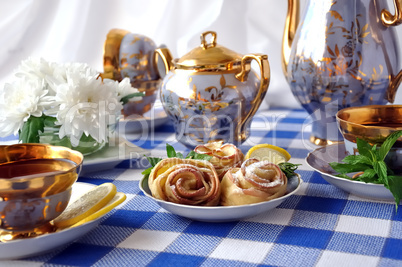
(85, 105)
(35, 68)
(20, 100)
(123, 88)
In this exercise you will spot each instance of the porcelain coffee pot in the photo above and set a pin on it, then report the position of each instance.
(212, 93)
(339, 54)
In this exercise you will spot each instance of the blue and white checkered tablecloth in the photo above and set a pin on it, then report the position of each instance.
(319, 226)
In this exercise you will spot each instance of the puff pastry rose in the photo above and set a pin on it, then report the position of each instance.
(185, 181)
(224, 156)
(254, 182)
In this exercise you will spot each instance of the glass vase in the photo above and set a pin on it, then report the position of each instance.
(87, 144)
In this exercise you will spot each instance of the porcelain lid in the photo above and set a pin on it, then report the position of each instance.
(209, 56)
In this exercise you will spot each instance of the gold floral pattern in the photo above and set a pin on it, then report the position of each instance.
(341, 57)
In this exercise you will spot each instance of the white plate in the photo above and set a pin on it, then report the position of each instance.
(117, 150)
(23, 248)
(223, 213)
(319, 160)
(150, 120)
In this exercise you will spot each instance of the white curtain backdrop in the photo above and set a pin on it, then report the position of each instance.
(75, 30)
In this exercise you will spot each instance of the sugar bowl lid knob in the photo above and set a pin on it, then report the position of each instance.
(209, 55)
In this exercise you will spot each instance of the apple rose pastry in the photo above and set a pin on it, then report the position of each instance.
(224, 156)
(185, 181)
(254, 182)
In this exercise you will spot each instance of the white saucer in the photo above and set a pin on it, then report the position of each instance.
(223, 213)
(319, 160)
(117, 150)
(150, 120)
(23, 248)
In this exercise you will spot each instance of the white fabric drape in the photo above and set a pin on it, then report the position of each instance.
(75, 30)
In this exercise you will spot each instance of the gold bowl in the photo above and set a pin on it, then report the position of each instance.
(35, 183)
(26, 214)
(373, 123)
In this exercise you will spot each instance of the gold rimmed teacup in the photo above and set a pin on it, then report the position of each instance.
(373, 123)
(35, 185)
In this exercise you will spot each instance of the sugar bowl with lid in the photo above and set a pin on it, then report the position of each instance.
(212, 92)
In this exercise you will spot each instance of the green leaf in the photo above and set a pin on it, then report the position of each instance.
(194, 155)
(381, 169)
(147, 171)
(31, 129)
(369, 176)
(288, 168)
(395, 186)
(153, 161)
(50, 121)
(354, 159)
(371, 163)
(127, 98)
(363, 147)
(347, 168)
(388, 143)
(170, 151)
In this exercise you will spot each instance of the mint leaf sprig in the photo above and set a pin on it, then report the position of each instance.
(371, 166)
(171, 153)
(288, 168)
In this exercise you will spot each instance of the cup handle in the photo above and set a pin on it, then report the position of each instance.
(392, 20)
(242, 76)
(164, 54)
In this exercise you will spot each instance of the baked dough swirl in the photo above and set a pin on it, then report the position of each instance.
(224, 156)
(254, 182)
(185, 181)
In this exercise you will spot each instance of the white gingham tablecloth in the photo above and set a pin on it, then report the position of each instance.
(321, 225)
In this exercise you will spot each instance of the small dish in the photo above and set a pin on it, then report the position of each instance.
(149, 120)
(111, 155)
(223, 213)
(319, 160)
(23, 248)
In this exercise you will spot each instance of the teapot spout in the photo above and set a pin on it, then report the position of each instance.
(292, 20)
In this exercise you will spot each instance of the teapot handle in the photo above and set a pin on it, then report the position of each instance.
(393, 87)
(291, 24)
(392, 20)
(242, 76)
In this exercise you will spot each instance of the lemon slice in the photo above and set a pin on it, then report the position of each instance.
(89, 203)
(268, 152)
(116, 200)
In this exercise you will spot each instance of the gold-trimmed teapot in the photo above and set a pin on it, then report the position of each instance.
(340, 54)
(212, 93)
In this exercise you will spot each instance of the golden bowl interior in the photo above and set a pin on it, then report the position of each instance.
(37, 170)
(371, 123)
